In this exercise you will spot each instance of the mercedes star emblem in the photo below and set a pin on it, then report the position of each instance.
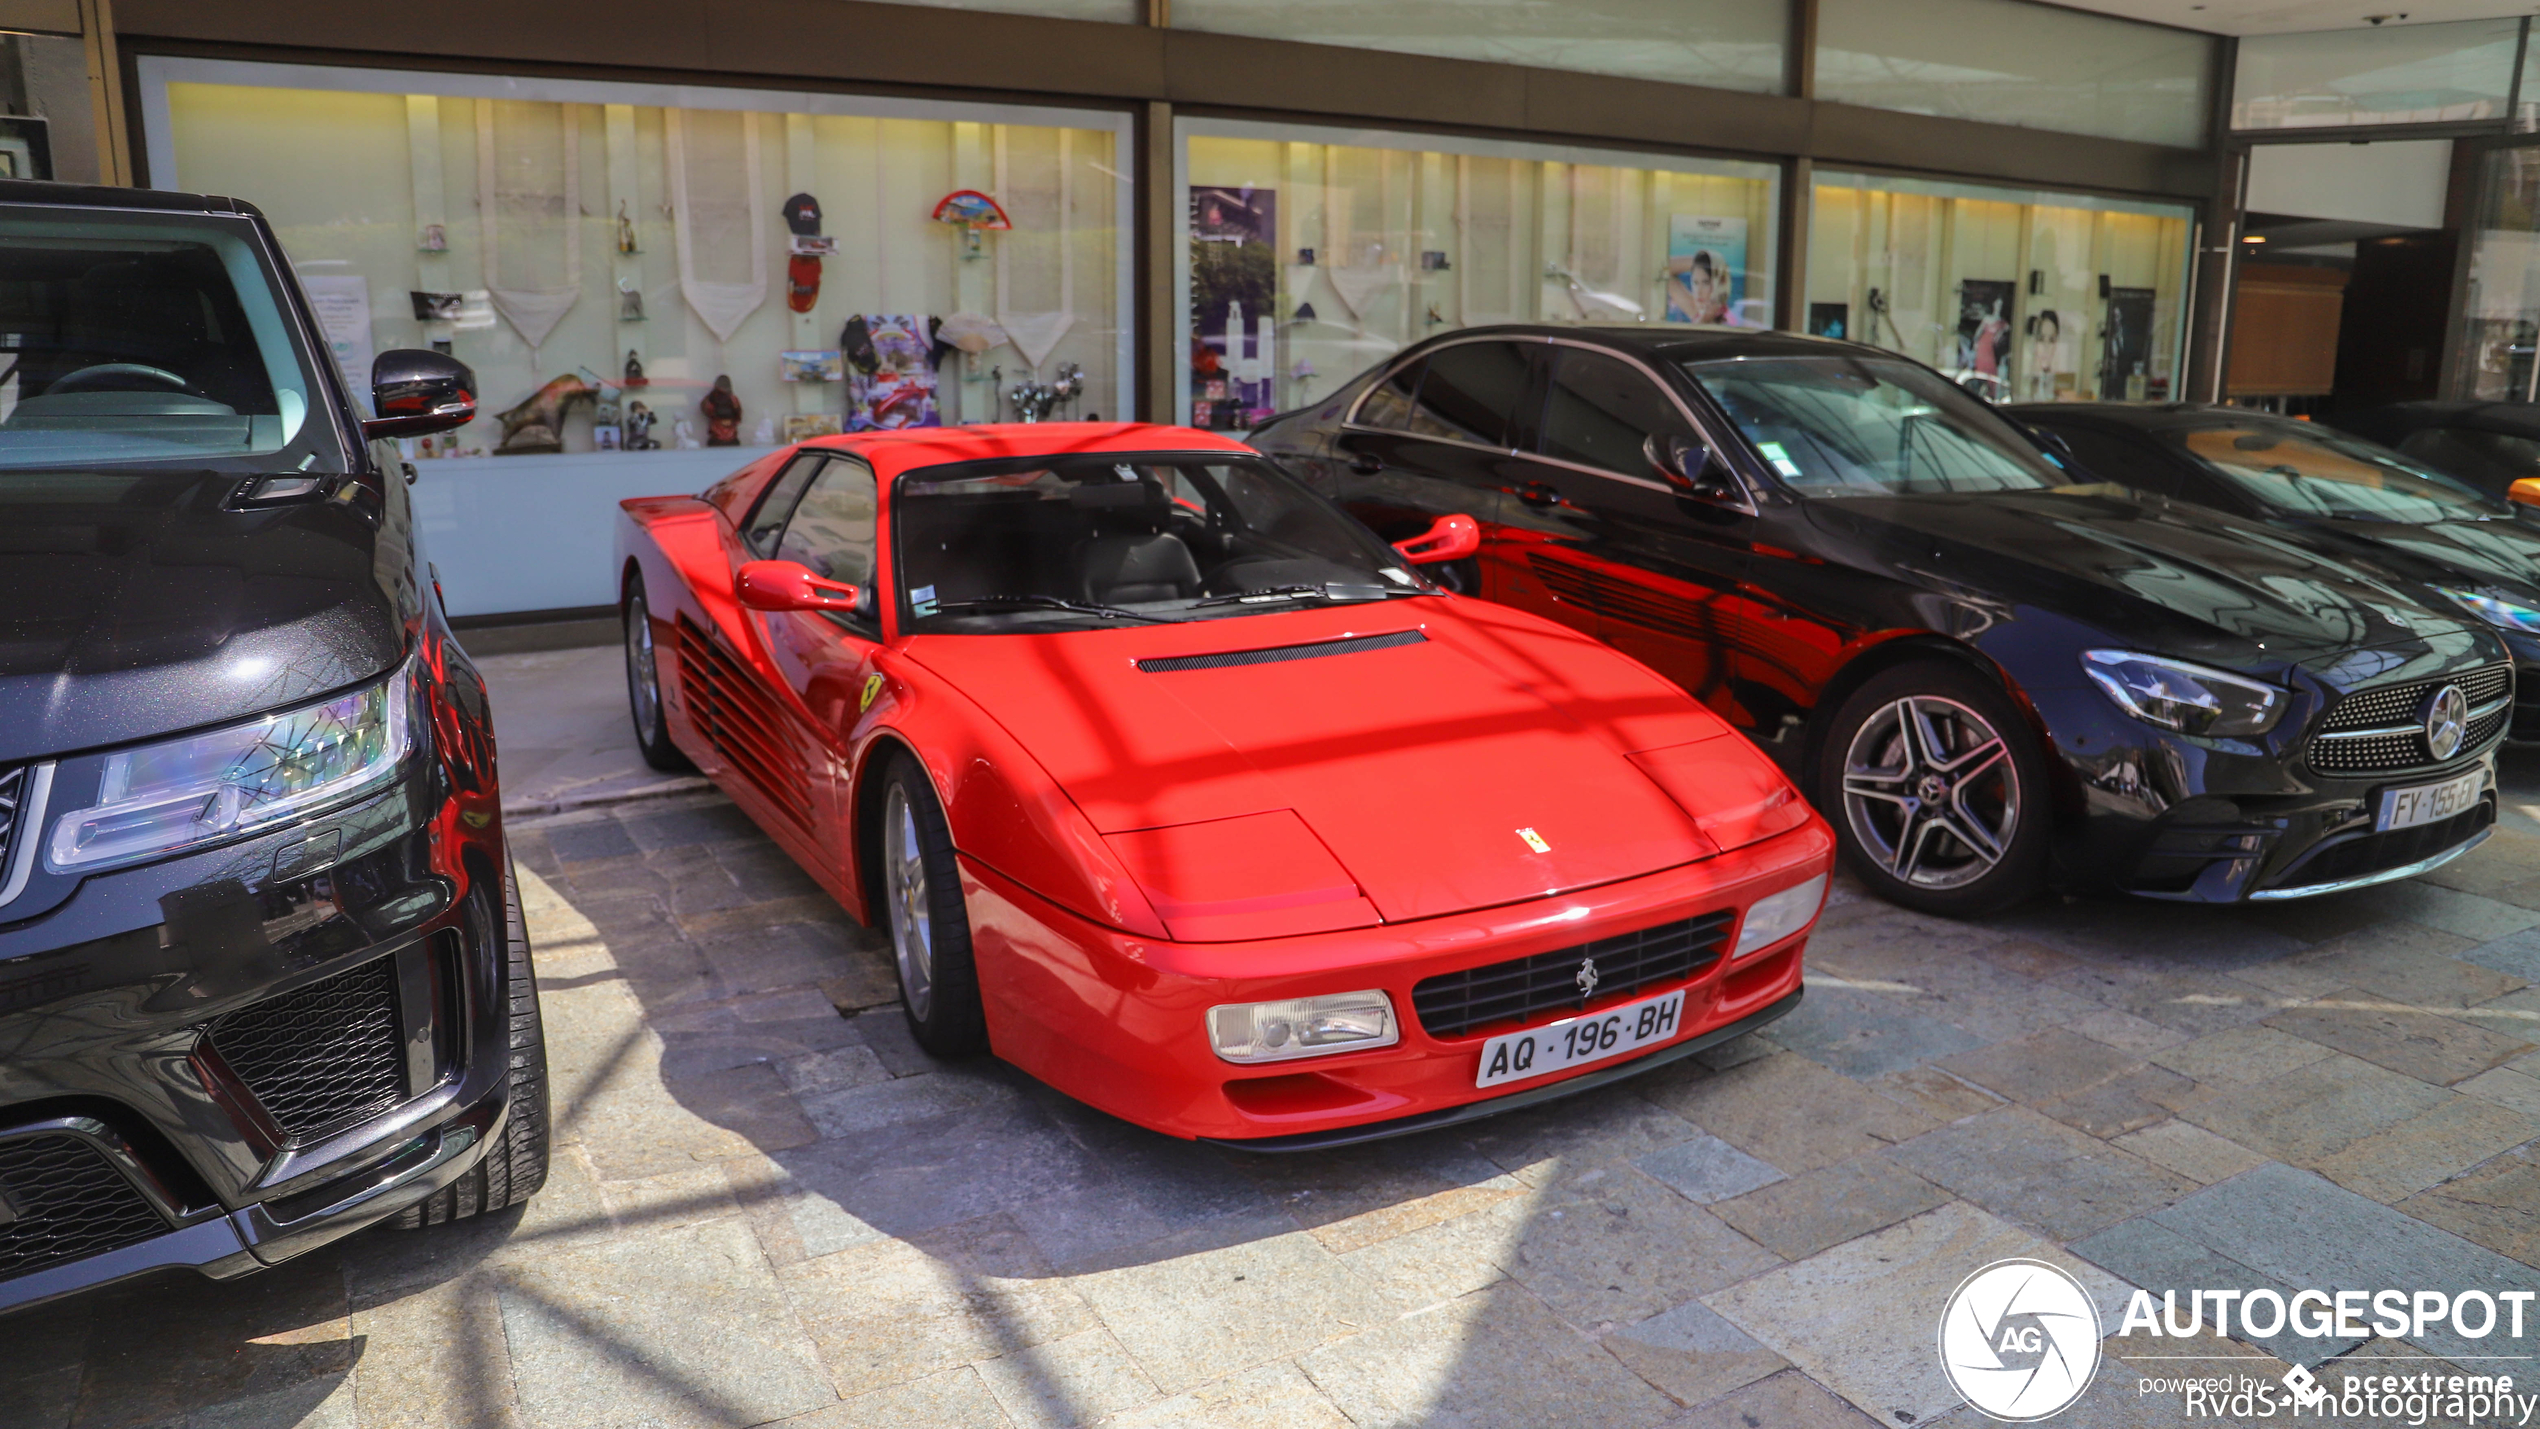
(2446, 721)
(1587, 977)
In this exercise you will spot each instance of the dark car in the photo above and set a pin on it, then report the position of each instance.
(1990, 674)
(2364, 504)
(2490, 445)
(263, 979)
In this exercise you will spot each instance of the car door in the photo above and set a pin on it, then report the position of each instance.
(1662, 570)
(827, 657)
(1437, 436)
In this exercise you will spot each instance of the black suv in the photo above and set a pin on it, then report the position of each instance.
(263, 979)
(1991, 673)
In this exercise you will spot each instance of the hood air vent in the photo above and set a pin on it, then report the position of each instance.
(1280, 654)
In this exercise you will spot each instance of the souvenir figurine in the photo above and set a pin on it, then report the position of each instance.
(684, 435)
(722, 411)
(634, 370)
(625, 229)
(764, 434)
(537, 424)
(434, 239)
(639, 428)
(630, 301)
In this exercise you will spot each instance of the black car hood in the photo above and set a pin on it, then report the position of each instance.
(136, 605)
(2500, 557)
(2177, 579)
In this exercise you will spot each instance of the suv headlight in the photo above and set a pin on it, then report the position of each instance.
(2503, 614)
(178, 794)
(2188, 698)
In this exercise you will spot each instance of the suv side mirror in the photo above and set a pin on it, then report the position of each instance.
(1685, 463)
(417, 393)
(1449, 538)
(790, 585)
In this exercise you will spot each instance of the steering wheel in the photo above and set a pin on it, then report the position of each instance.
(118, 377)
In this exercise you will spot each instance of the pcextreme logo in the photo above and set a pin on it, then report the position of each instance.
(2019, 1340)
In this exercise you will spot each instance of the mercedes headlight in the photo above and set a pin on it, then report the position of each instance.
(2504, 614)
(2188, 698)
(178, 794)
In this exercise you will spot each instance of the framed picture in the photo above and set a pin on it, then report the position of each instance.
(801, 428)
(813, 366)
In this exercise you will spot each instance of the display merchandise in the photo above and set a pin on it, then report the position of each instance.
(674, 235)
(722, 413)
(2016, 295)
(537, 423)
(1321, 248)
(891, 381)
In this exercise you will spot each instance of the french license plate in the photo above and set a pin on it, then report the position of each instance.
(2429, 803)
(1515, 1056)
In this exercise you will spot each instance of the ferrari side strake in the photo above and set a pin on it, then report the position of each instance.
(1178, 789)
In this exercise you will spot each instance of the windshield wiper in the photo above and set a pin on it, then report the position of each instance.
(1328, 590)
(1041, 602)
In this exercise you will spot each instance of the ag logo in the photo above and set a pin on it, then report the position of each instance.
(2020, 1340)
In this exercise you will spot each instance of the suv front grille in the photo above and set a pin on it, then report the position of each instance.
(2338, 749)
(1453, 1004)
(323, 1057)
(61, 1201)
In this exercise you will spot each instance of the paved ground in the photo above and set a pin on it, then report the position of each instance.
(764, 1210)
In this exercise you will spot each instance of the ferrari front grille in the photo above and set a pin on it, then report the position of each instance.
(60, 1201)
(2376, 731)
(735, 715)
(1455, 1004)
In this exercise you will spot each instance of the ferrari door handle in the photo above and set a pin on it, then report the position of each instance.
(1536, 493)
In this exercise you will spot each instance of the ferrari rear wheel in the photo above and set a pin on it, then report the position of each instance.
(930, 929)
(643, 686)
(1937, 791)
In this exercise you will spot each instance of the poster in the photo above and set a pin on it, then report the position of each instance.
(2047, 368)
(1234, 291)
(2126, 371)
(1984, 334)
(900, 390)
(342, 308)
(1706, 268)
(1829, 320)
(816, 365)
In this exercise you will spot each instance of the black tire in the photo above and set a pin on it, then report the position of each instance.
(928, 926)
(1985, 849)
(515, 1166)
(643, 684)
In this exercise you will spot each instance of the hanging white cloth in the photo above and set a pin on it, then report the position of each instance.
(1036, 334)
(1360, 287)
(714, 212)
(529, 204)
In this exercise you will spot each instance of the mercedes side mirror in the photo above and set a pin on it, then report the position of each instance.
(1685, 463)
(417, 393)
(1449, 538)
(790, 585)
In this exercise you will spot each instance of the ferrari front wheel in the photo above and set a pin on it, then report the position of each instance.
(643, 685)
(930, 929)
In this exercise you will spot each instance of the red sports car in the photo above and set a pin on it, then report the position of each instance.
(1183, 792)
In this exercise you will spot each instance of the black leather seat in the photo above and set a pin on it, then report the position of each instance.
(1118, 569)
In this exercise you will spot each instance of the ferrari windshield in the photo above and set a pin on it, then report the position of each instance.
(150, 340)
(1868, 426)
(1088, 540)
(2304, 470)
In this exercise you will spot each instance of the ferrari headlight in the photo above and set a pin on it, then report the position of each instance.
(1302, 1027)
(2504, 614)
(2188, 698)
(165, 798)
(1776, 916)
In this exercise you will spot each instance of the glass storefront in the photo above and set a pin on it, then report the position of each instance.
(1308, 255)
(638, 268)
(2018, 296)
(2387, 74)
(1726, 44)
(2500, 313)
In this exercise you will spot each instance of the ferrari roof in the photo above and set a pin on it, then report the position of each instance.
(912, 447)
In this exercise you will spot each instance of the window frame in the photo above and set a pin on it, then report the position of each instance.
(867, 624)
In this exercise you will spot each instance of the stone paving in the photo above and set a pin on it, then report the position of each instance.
(768, 1206)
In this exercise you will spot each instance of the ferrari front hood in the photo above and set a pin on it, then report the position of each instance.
(1439, 782)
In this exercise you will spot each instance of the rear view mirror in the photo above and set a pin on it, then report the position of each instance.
(2525, 492)
(790, 585)
(417, 393)
(1449, 538)
(1685, 463)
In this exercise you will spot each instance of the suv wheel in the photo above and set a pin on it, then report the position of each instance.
(515, 1166)
(1937, 791)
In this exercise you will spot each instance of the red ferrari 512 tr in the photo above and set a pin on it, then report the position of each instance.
(1181, 791)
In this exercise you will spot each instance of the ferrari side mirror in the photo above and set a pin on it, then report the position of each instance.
(417, 393)
(1449, 538)
(790, 585)
(2525, 492)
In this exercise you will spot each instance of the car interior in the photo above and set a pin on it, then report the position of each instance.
(153, 332)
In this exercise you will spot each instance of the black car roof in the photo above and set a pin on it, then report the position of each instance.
(30, 191)
(2161, 416)
(1677, 342)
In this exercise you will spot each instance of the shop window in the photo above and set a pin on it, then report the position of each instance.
(2500, 315)
(2017, 296)
(1724, 44)
(1311, 255)
(639, 269)
(2014, 62)
(2384, 74)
